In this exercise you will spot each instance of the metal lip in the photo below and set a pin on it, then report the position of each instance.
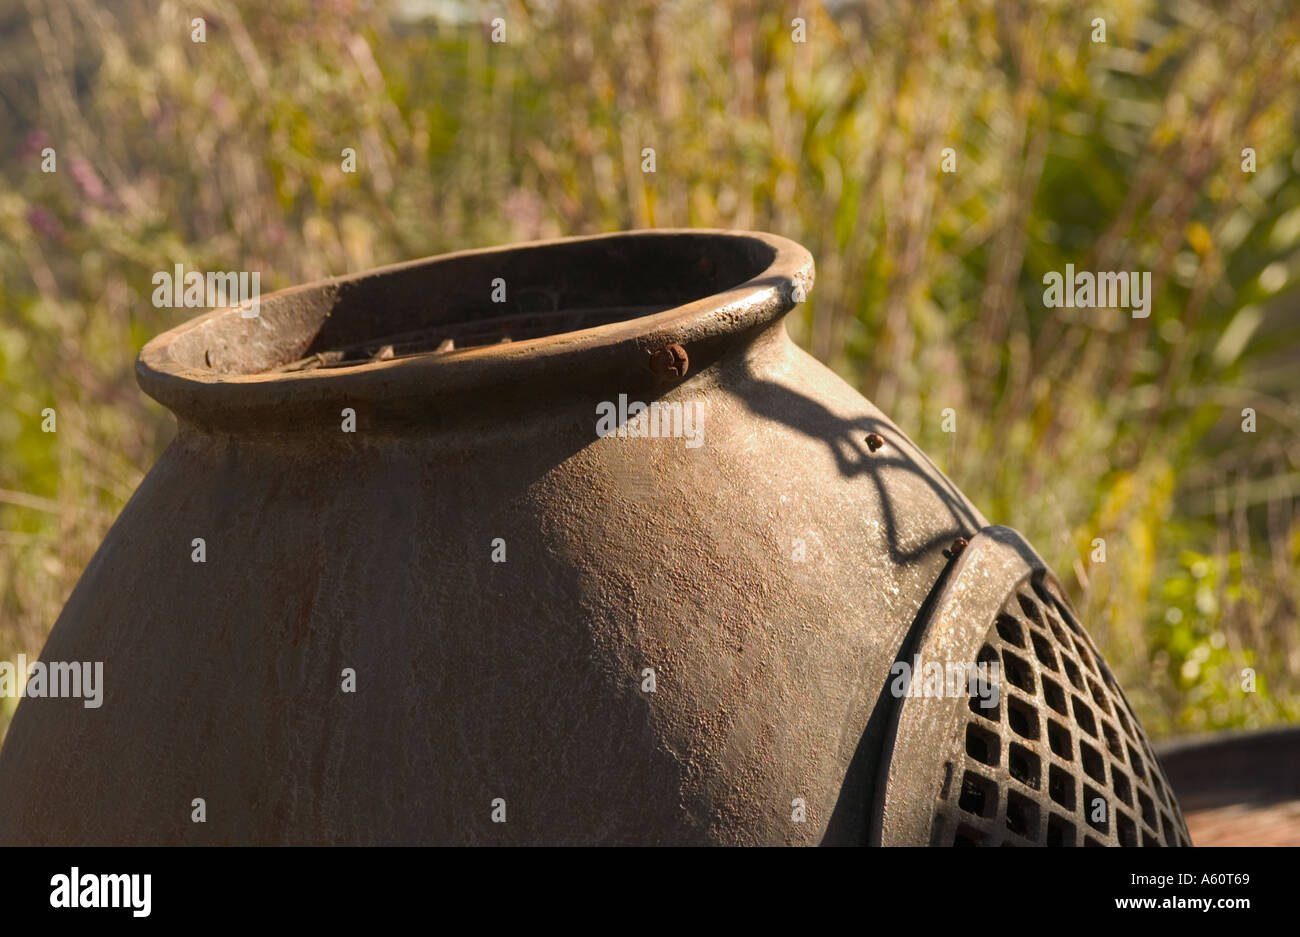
(167, 368)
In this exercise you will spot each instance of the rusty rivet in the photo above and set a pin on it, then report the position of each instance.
(874, 441)
(669, 362)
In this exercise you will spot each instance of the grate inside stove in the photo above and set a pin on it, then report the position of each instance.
(1061, 760)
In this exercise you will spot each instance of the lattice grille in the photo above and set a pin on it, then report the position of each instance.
(1062, 736)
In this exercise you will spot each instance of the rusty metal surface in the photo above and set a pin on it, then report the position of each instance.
(478, 680)
(1059, 759)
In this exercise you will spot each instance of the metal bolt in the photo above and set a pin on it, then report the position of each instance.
(669, 362)
(874, 441)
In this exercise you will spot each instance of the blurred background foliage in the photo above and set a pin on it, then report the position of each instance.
(1072, 424)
